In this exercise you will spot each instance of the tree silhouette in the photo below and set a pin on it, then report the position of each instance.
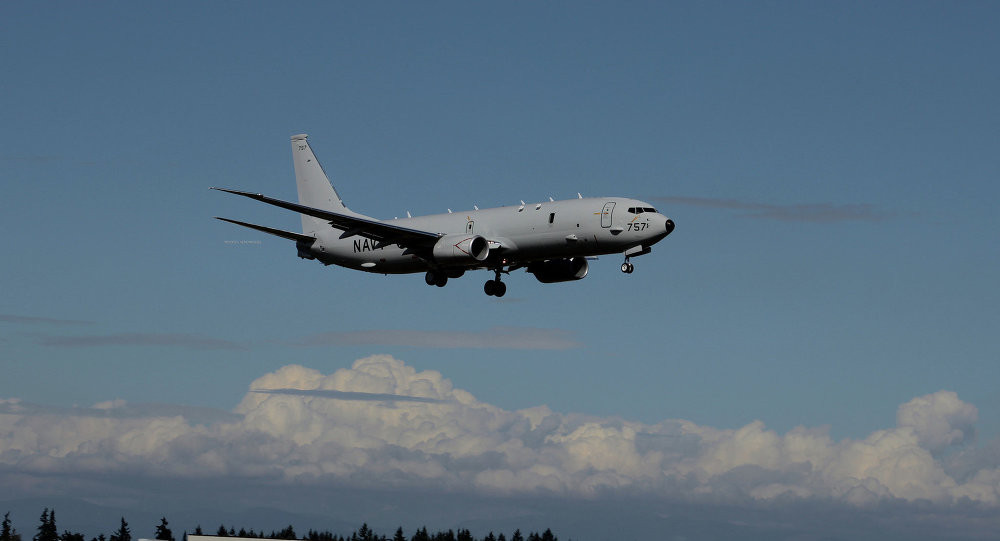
(8, 533)
(162, 532)
(47, 528)
(421, 535)
(123, 533)
(47, 532)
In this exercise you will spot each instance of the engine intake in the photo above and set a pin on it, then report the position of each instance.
(560, 270)
(461, 249)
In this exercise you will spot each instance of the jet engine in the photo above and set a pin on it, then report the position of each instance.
(559, 270)
(461, 249)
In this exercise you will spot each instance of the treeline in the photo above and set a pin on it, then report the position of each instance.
(47, 531)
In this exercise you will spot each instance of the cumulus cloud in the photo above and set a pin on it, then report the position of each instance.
(383, 423)
(939, 420)
(121, 410)
(347, 395)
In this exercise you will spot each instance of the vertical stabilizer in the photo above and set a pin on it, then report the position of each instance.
(315, 189)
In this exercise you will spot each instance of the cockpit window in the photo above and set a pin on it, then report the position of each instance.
(640, 210)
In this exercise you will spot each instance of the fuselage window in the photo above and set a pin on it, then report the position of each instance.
(552, 217)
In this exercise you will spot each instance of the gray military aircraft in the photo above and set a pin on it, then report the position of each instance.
(551, 240)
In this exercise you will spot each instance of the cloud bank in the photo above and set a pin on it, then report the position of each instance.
(33, 320)
(191, 341)
(437, 437)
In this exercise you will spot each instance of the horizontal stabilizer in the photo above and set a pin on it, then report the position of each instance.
(352, 223)
(298, 237)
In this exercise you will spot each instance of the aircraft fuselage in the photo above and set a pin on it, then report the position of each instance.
(532, 232)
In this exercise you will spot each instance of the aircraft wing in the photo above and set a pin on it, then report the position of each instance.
(382, 232)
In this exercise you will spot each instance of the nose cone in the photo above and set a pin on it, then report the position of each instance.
(670, 226)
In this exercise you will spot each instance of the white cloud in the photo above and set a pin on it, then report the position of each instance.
(443, 437)
(939, 420)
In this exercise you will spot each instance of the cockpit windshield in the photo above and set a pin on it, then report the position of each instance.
(640, 210)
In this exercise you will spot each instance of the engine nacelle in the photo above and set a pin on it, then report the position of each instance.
(461, 249)
(560, 270)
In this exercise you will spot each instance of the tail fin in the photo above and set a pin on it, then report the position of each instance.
(315, 189)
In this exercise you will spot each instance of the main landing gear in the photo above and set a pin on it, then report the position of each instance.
(436, 278)
(495, 288)
(627, 267)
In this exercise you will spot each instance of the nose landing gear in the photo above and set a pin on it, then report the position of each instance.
(627, 267)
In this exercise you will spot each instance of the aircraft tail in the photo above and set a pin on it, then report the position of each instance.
(314, 186)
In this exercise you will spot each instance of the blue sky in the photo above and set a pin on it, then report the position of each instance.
(831, 169)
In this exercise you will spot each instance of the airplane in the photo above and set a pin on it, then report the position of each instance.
(551, 240)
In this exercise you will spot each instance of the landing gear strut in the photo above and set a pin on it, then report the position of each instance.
(627, 267)
(495, 288)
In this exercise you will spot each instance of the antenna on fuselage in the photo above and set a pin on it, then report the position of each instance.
(551, 200)
(408, 215)
(475, 207)
(449, 211)
(579, 195)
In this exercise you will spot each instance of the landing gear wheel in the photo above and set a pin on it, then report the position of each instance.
(627, 267)
(631, 268)
(435, 279)
(495, 288)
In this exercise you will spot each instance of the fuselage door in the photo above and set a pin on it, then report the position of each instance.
(609, 207)
(470, 227)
